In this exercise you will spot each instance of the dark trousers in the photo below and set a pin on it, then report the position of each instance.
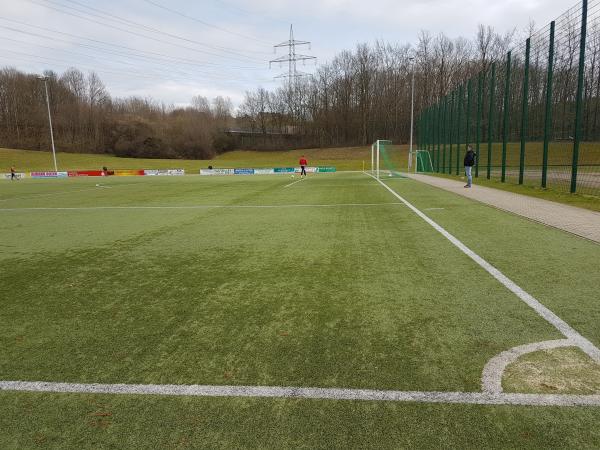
(303, 171)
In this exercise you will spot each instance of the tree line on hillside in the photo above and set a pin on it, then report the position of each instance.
(365, 94)
(86, 119)
(358, 96)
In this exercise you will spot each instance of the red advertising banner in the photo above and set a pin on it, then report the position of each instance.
(87, 173)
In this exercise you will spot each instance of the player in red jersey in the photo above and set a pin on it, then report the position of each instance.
(303, 164)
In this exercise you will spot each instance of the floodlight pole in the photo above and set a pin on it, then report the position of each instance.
(412, 113)
(45, 80)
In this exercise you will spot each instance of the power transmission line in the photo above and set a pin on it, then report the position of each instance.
(234, 54)
(225, 30)
(119, 47)
(292, 58)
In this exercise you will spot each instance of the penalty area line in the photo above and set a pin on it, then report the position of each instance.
(477, 398)
(587, 346)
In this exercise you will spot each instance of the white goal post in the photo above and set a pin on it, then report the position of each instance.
(375, 156)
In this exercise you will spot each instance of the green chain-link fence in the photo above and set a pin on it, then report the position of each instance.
(533, 118)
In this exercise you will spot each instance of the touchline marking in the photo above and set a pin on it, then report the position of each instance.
(291, 184)
(92, 208)
(476, 398)
(562, 326)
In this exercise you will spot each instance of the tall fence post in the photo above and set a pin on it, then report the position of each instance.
(428, 121)
(439, 136)
(451, 129)
(548, 118)
(491, 121)
(440, 126)
(505, 124)
(469, 103)
(445, 133)
(430, 128)
(524, 111)
(579, 98)
(479, 119)
(459, 126)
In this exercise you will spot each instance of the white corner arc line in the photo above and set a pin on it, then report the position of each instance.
(491, 379)
(562, 326)
(477, 398)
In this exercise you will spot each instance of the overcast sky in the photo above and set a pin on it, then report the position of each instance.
(174, 49)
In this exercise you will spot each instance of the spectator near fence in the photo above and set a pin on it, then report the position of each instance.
(469, 163)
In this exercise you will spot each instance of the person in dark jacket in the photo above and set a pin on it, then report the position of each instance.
(469, 163)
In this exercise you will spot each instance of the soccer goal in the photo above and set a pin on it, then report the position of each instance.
(423, 161)
(385, 160)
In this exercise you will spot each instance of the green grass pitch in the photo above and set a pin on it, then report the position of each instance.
(253, 281)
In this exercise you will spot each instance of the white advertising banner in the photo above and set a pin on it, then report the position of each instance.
(6, 176)
(172, 172)
(308, 169)
(216, 171)
(264, 171)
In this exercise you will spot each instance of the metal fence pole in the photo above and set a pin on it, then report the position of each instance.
(524, 111)
(491, 121)
(461, 90)
(440, 129)
(548, 118)
(436, 130)
(451, 130)
(429, 137)
(469, 103)
(505, 124)
(579, 98)
(444, 133)
(479, 119)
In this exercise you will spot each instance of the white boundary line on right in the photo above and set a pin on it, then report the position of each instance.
(570, 333)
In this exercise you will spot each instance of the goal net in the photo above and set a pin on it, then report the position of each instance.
(423, 161)
(385, 159)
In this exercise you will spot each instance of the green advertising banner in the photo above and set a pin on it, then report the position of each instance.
(325, 169)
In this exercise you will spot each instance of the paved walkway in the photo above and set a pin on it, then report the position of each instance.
(579, 221)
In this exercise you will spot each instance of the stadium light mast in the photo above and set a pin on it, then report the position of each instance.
(45, 80)
(412, 111)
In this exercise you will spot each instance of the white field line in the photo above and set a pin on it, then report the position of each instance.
(491, 380)
(93, 208)
(293, 183)
(51, 194)
(477, 398)
(562, 326)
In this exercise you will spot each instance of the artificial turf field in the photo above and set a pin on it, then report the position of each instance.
(329, 282)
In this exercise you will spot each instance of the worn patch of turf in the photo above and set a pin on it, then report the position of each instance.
(557, 371)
